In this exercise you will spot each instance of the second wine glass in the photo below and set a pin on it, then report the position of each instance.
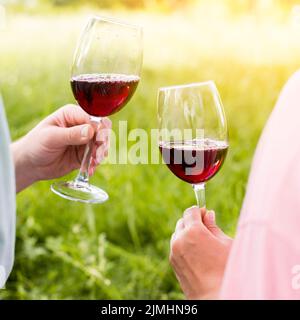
(193, 133)
(105, 73)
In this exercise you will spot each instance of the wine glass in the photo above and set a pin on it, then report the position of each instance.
(105, 73)
(193, 136)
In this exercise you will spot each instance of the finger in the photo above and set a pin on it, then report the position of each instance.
(209, 221)
(202, 211)
(91, 171)
(74, 136)
(179, 225)
(103, 135)
(192, 216)
(100, 154)
(103, 131)
(106, 123)
(173, 238)
(71, 115)
(179, 228)
(92, 167)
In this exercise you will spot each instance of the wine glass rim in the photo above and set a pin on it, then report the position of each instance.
(188, 85)
(115, 21)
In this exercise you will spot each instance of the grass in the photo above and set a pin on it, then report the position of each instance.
(120, 249)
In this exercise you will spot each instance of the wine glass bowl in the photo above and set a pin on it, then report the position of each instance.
(105, 74)
(102, 95)
(193, 133)
(197, 160)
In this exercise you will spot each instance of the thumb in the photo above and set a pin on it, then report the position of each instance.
(209, 221)
(77, 135)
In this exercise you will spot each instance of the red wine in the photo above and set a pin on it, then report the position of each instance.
(194, 161)
(101, 95)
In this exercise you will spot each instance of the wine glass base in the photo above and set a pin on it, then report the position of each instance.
(79, 191)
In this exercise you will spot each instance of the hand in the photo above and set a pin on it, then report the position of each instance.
(199, 252)
(56, 145)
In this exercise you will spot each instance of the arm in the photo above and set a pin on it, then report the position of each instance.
(199, 252)
(24, 173)
(264, 262)
(265, 255)
(56, 145)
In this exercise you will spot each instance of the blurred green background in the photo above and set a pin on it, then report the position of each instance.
(120, 249)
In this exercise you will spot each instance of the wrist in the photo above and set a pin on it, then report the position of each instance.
(207, 291)
(212, 295)
(23, 169)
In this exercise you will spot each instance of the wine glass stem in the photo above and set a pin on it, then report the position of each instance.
(199, 190)
(83, 175)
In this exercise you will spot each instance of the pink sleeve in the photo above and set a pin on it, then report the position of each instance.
(261, 266)
(265, 259)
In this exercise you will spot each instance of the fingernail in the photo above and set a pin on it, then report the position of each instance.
(211, 216)
(186, 211)
(85, 131)
(189, 210)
